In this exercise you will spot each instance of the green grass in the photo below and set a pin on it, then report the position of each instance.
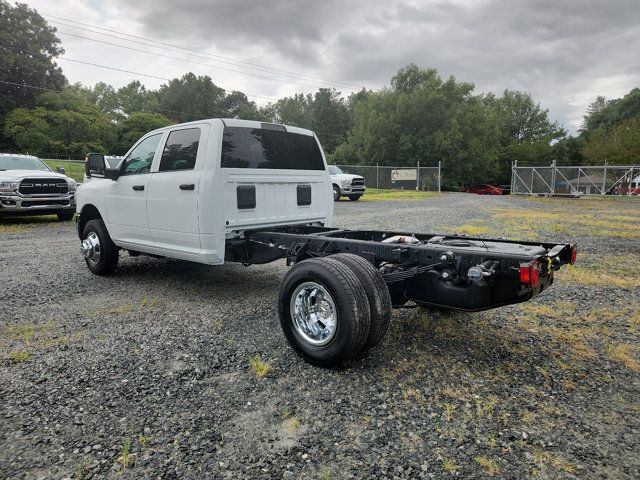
(74, 170)
(375, 194)
(21, 224)
(259, 366)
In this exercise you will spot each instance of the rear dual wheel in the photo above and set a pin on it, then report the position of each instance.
(333, 308)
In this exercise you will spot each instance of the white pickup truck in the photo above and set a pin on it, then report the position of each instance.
(217, 191)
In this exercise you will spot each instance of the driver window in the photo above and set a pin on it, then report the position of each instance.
(141, 157)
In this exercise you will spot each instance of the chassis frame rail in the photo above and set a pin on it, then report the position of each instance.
(431, 269)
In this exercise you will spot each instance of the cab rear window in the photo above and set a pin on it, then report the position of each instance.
(267, 148)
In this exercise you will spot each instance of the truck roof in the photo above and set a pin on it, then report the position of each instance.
(17, 155)
(235, 122)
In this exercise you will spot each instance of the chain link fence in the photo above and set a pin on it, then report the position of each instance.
(576, 181)
(400, 178)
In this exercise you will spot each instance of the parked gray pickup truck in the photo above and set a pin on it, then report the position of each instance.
(29, 187)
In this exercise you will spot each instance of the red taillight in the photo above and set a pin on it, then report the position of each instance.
(530, 273)
(574, 254)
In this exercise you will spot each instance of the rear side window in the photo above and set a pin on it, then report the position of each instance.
(264, 148)
(181, 150)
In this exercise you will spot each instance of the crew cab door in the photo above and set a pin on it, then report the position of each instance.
(126, 198)
(172, 201)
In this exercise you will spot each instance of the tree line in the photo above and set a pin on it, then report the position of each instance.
(419, 117)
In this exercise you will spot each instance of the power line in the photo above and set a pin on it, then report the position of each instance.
(186, 61)
(113, 68)
(227, 59)
(205, 56)
(143, 74)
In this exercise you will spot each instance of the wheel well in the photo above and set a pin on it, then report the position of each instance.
(89, 212)
(337, 186)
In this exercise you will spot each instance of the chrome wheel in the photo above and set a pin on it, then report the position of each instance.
(314, 313)
(90, 248)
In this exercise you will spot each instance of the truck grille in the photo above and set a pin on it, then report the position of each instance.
(44, 203)
(43, 186)
(357, 182)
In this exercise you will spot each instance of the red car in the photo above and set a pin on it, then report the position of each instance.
(484, 190)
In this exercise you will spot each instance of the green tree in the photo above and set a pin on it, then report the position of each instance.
(603, 113)
(424, 118)
(191, 98)
(133, 127)
(61, 124)
(526, 133)
(134, 97)
(568, 151)
(325, 112)
(28, 47)
(616, 145)
(237, 105)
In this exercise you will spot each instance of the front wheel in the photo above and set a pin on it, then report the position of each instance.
(65, 216)
(336, 193)
(354, 198)
(99, 251)
(324, 311)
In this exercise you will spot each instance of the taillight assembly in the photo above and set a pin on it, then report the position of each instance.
(530, 273)
(574, 254)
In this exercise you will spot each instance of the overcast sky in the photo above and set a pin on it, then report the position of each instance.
(564, 52)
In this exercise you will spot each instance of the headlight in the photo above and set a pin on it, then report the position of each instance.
(8, 186)
(346, 183)
(72, 185)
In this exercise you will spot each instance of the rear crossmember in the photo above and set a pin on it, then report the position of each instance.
(445, 271)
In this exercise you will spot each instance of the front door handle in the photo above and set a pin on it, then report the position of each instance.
(187, 186)
(137, 188)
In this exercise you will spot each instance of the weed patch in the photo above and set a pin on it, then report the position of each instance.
(490, 465)
(259, 366)
(374, 194)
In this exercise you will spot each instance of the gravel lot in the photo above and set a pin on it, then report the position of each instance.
(146, 374)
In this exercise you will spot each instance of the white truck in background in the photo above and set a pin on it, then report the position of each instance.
(346, 184)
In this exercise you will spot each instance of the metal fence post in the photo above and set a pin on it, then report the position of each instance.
(418, 177)
(514, 165)
(553, 177)
(377, 176)
(604, 179)
(439, 175)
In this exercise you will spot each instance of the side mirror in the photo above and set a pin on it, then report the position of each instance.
(60, 170)
(94, 165)
(112, 173)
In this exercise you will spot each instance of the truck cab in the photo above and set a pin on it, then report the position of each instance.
(183, 191)
(29, 187)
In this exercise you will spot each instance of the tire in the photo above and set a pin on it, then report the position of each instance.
(336, 193)
(106, 260)
(65, 216)
(377, 295)
(354, 198)
(350, 305)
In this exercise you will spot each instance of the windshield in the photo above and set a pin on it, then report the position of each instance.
(333, 170)
(8, 162)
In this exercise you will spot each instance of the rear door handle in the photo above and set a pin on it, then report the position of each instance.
(187, 186)
(138, 187)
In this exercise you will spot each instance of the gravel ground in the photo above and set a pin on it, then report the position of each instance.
(146, 374)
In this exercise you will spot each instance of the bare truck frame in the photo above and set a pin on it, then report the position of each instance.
(328, 317)
(445, 271)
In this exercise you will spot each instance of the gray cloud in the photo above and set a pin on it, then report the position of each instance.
(564, 53)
